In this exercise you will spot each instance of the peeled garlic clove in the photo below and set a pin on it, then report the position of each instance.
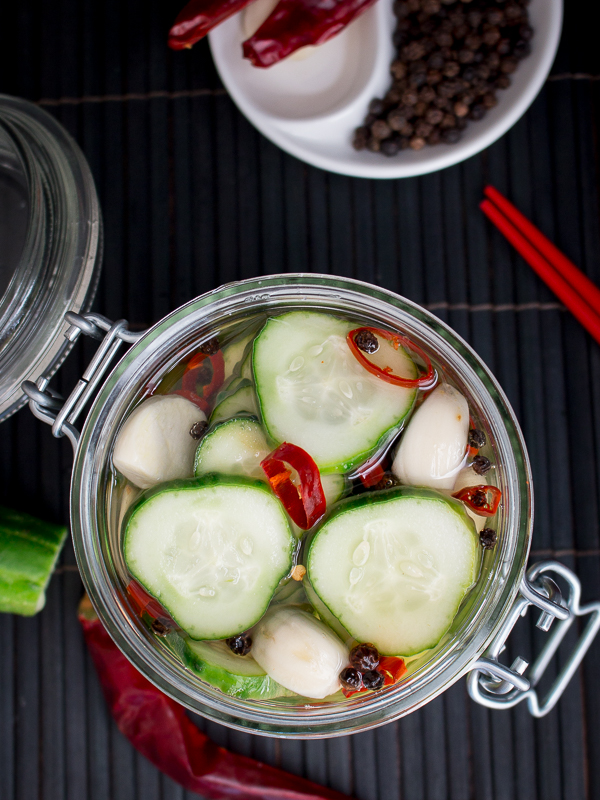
(299, 652)
(433, 445)
(155, 444)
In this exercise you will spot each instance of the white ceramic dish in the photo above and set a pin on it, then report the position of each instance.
(310, 107)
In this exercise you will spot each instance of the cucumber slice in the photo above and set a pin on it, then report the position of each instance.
(28, 552)
(237, 676)
(334, 487)
(393, 567)
(313, 392)
(234, 355)
(211, 551)
(243, 400)
(235, 447)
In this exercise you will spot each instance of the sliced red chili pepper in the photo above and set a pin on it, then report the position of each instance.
(385, 373)
(145, 603)
(307, 505)
(193, 398)
(483, 500)
(392, 667)
(192, 371)
(198, 17)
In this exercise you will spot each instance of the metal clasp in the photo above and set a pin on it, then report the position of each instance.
(494, 685)
(48, 405)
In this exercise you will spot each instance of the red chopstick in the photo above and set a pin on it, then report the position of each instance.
(568, 283)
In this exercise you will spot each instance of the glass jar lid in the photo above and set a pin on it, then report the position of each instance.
(50, 240)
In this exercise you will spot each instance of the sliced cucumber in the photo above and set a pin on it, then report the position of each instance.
(334, 487)
(235, 447)
(394, 566)
(243, 400)
(234, 355)
(28, 552)
(211, 551)
(314, 393)
(237, 676)
(246, 368)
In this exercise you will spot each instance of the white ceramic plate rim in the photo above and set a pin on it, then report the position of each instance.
(516, 100)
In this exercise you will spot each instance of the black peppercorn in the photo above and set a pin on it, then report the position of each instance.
(364, 657)
(210, 347)
(373, 679)
(366, 341)
(488, 538)
(450, 135)
(158, 627)
(388, 481)
(476, 438)
(240, 644)
(351, 678)
(390, 147)
(198, 428)
(479, 498)
(481, 465)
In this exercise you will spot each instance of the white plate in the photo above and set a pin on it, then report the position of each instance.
(311, 107)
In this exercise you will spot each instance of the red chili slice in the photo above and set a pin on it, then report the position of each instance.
(385, 373)
(392, 667)
(371, 474)
(145, 603)
(307, 505)
(193, 398)
(194, 365)
(483, 500)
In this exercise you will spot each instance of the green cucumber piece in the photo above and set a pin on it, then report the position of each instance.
(234, 355)
(313, 392)
(29, 549)
(394, 566)
(237, 676)
(235, 447)
(242, 401)
(212, 551)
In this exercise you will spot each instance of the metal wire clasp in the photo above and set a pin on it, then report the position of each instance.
(48, 405)
(494, 685)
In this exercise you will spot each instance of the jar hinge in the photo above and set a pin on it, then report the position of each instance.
(494, 685)
(47, 404)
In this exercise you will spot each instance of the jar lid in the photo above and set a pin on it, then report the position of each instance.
(50, 241)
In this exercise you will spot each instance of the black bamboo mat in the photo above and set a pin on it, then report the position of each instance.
(193, 197)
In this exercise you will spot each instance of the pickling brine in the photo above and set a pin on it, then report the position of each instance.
(303, 503)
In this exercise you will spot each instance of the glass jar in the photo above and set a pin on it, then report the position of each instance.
(95, 521)
(50, 238)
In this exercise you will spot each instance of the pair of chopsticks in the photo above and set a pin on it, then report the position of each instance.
(568, 283)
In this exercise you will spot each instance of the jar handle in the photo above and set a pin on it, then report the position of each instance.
(494, 685)
(48, 405)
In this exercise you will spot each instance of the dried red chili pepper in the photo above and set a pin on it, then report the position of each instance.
(198, 17)
(392, 669)
(297, 23)
(162, 732)
(385, 373)
(307, 505)
(483, 500)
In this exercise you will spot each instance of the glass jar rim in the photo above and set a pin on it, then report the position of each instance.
(123, 387)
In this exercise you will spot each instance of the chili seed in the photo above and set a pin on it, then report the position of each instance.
(198, 428)
(158, 627)
(211, 347)
(373, 679)
(481, 465)
(488, 538)
(351, 678)
(366, 341)
(240, 644)
(476, 438)
(364, 657)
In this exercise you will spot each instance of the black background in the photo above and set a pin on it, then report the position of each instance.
(192, 197)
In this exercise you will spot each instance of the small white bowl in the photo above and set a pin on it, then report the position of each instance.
(310, 107)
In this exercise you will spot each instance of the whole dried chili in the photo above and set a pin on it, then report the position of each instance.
(296, 23)
(483, 500)
(160, 730)
(198, 17)
(306, 505)
(424, 381)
